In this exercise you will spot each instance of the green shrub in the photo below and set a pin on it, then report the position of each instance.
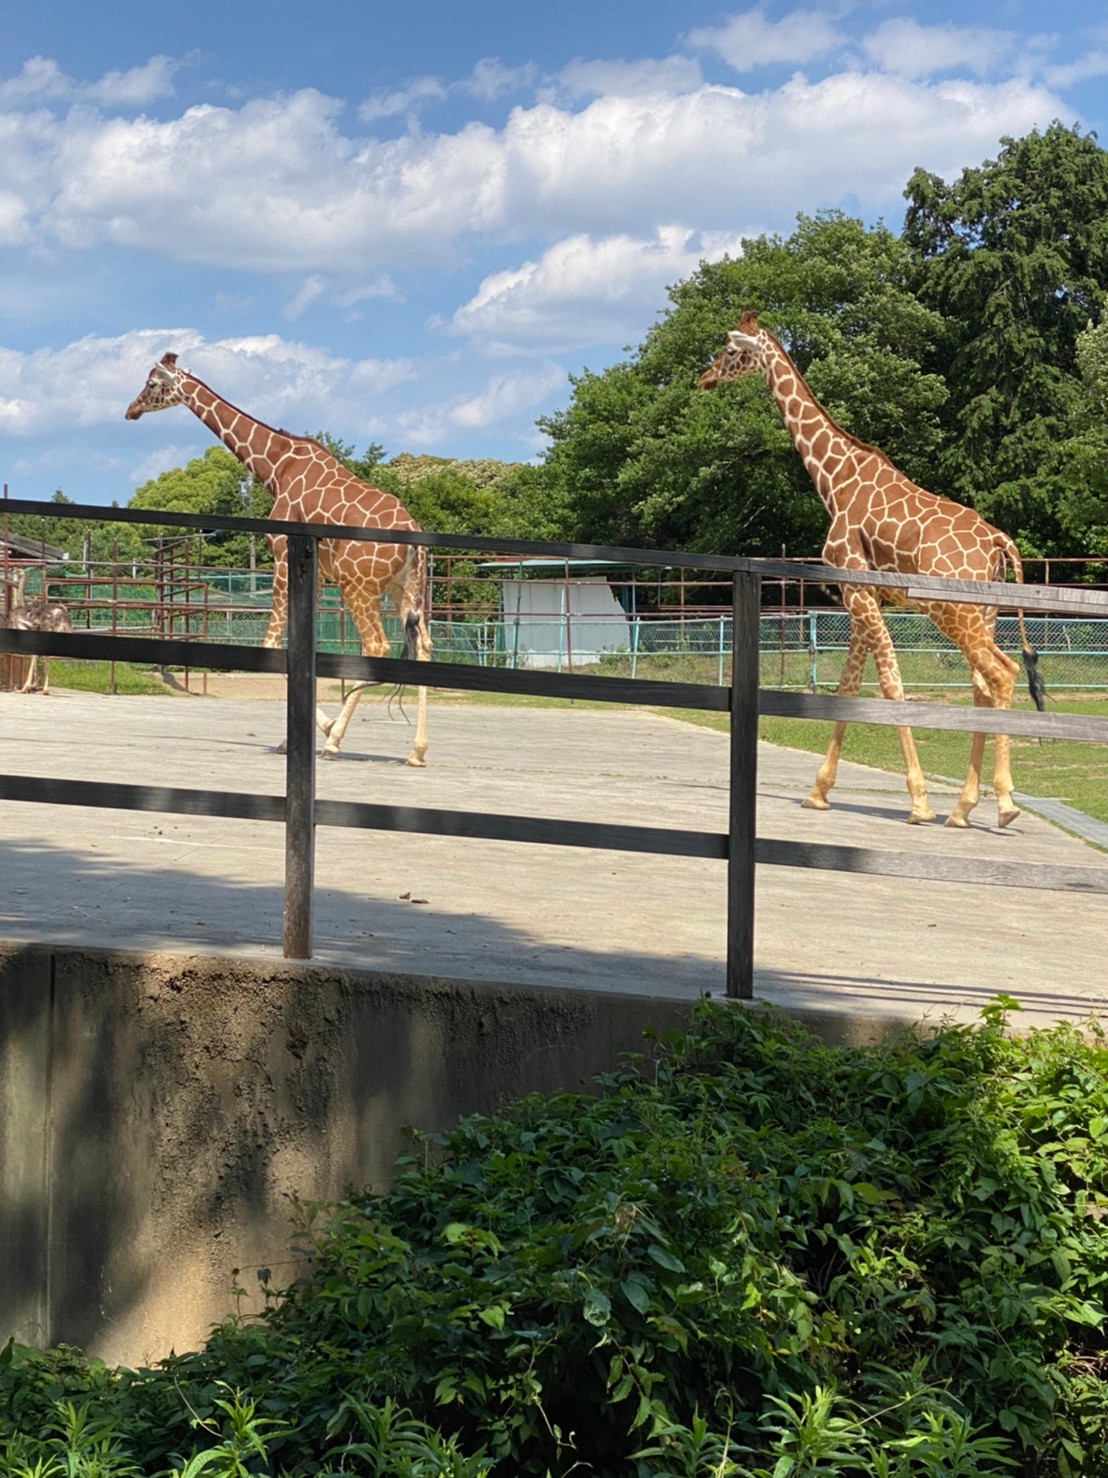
(747, 1254)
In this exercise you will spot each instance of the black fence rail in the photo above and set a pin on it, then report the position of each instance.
(739, 848)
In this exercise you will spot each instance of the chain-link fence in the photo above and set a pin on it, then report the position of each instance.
(799, 649)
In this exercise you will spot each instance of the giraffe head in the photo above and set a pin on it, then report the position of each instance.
(742, 354)
(164, 387)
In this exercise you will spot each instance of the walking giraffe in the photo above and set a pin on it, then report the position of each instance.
(310, 486)
(880, 520)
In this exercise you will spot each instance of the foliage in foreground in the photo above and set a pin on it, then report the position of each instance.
(751, 1255)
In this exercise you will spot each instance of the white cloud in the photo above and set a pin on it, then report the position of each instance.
(1093, 64)
(583, 291)
(92, 381)
(277, 187)
(404, 100)
(506, 397)
(752, 40)
(674, 74)
(41, 80)
(490, 79)
(912, 50)
(13, 219)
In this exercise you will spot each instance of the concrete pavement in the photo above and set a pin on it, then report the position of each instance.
(861, 946)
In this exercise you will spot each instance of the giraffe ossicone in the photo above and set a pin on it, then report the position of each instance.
(881, 520)
(309, 485)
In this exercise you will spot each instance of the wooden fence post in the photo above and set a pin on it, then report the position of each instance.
(745, 616)
(300, 748)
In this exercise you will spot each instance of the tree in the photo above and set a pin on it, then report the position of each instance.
(1014, 256)
(215, 483)
(1078, 469)
(79, 536)
(641, 456)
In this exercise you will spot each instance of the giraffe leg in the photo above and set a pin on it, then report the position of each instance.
(850, 680)
(367, 618)
(868, 633)
(417, 644)
(971, 786)
(994, 675)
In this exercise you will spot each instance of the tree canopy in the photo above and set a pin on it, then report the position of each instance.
(1014, 256)
(966, 347)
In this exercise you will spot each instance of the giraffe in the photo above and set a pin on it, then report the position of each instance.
(880, 520)
(39, 614)
(309, 485)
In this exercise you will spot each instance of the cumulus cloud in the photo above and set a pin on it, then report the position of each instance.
(404, 100)
(41, 80)
(488, 80)
(277, 186)
(752, 40)
(92, 381)
(506, 396)
(913, 50)
(583, 291)
(673, 74)
(1093, 64)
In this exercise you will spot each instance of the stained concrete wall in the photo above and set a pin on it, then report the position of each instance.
(159, 1114)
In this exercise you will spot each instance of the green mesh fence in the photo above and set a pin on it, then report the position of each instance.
(798, 649)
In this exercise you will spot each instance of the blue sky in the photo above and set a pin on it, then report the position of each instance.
(411, 224)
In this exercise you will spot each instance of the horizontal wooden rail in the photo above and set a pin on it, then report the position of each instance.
(466, 677)
(940, 716)
(932, 867)
(553, 831)
(425, 820)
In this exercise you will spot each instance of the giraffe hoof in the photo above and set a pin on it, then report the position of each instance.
(958, 821)
(919, 818)
(329, 752)
(1007, 816)
(815, 802)
(416, 762)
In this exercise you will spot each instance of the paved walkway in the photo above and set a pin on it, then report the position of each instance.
(546, 916)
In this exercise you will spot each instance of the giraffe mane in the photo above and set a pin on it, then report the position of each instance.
(863, 446)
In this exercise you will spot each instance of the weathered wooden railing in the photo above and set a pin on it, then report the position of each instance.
(740, 847)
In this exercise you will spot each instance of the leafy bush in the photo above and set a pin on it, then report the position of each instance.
(748, 1254)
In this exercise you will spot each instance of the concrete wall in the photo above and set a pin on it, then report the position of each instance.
(158, 1113)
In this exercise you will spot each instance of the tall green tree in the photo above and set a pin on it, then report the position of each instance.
(1078, 469)
(215, 483)
(642, 457)
(81, 538)
(1014, 256)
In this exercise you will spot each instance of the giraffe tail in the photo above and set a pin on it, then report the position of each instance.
(411, 636)
(1035, 685)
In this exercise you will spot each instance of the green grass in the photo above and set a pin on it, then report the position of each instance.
(95, 677)
(1072, 771)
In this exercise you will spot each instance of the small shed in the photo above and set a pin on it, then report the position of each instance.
(560, 612)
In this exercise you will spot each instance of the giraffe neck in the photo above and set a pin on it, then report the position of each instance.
(826, 450)
(258, 447)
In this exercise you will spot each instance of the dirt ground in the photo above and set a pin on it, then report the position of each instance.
(250, 686)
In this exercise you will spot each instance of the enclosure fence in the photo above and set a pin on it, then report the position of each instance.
(743, 696)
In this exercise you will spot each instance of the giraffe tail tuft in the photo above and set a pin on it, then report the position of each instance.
(411, 636)
(1035, 685)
